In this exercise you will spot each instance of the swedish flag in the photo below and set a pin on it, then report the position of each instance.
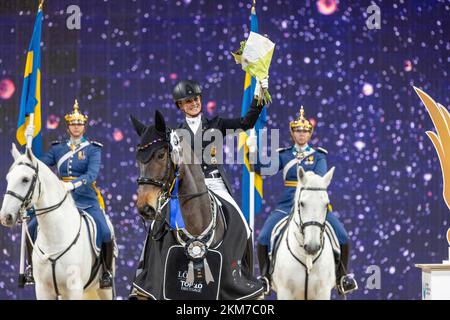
(30, 101)
(249, 88)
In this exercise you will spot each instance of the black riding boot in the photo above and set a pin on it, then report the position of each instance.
(345, 283)
(29, 279)
(264, 266)
(106, 280)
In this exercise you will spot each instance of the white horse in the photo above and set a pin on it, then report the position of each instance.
(304, 264)
(62, 255)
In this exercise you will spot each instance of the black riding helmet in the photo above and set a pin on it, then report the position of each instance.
(186, 89)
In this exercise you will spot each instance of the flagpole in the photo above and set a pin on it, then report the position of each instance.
(23, 235)
(252, 187)
(252, 203)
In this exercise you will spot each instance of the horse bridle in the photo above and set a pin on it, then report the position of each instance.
(165, 184)
(26, 200)
(302, 224)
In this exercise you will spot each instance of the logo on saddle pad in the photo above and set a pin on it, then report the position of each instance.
(185, 285)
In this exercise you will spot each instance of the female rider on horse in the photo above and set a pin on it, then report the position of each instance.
(301, 154)
(78, 161)
(187, 96)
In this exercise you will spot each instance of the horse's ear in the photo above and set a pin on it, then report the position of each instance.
(328, 176)
(301, 175)
(160, 123)
(30, 156)
(15, 153)
(138, 126)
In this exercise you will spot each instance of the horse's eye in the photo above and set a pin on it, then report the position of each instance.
(25, 180)
(161, 156)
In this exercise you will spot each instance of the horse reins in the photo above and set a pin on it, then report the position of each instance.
(302, 227)
(29, 195)
(38, 212)
(53, 261)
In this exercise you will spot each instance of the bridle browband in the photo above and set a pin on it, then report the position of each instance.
(26, 200)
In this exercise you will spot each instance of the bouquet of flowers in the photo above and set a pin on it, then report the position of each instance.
(255, 56)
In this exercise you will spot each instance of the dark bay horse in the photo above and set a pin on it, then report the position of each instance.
(213, 240)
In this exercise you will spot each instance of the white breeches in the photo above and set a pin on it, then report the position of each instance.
(217, 186)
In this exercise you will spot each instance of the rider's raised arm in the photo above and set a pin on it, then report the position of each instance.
(95, 155)
(244, 123)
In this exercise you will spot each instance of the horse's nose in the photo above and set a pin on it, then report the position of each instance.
(312, 249)
(147, 212)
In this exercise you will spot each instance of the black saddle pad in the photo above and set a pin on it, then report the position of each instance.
(175, 274)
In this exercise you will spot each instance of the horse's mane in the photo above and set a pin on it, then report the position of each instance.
(43, 168)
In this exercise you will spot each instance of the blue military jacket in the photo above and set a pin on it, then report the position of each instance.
(80, 166)
(288, 161)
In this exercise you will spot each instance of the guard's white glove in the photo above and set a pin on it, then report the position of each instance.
(264, 83)
(252, 143)
(68, 186)
(29, 131)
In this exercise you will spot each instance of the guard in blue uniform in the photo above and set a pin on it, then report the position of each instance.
(311, 159)
(78, 161)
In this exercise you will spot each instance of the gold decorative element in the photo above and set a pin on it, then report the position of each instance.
(213, 155)
(301, 122)
(441, 141)
(76, 117)
(41, 3)
(81, 155)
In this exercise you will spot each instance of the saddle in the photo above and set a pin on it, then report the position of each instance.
(277, 235)
(95, 245)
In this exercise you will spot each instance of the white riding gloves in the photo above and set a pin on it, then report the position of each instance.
(264, 84)
(68, 186)
(29, 131)
(252, 143)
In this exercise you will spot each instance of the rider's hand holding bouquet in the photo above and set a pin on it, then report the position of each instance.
(255, 56)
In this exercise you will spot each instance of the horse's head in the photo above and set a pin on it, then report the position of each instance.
(22, 184)
(157, 154)
(311, 207)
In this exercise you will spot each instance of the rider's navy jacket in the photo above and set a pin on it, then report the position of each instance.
(222, 125)
(289, 159)
(80, 166)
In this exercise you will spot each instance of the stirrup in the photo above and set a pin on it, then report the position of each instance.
(29, 279)
(347, 284)
(266, 284)
(106, 280)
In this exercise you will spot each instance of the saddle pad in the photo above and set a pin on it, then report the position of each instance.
(276, 236)
(92, 231)
(175, 274)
